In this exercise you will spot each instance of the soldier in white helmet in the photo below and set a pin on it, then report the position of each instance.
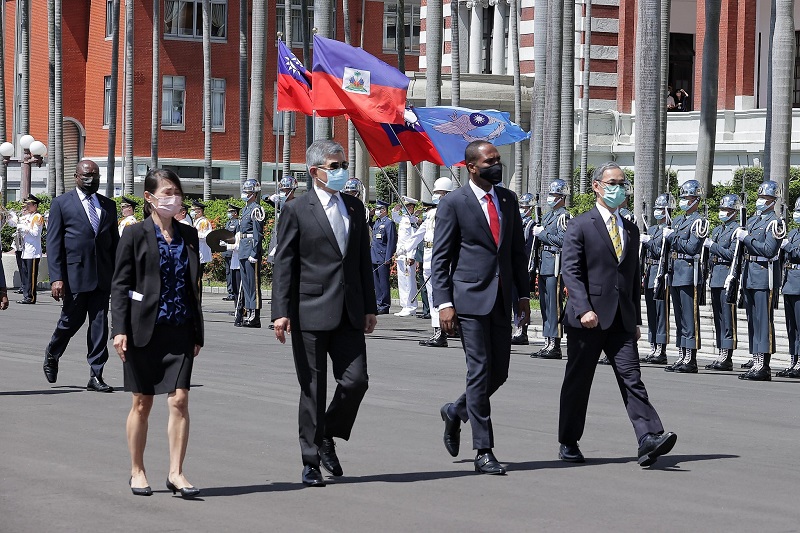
(404, 257)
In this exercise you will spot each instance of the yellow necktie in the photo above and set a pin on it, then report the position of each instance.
(616, 240)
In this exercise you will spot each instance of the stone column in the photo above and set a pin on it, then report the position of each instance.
(498, 37)
(475, 37)
(463, 35)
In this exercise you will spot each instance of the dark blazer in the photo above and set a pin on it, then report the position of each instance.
(139, 271)
(466, 263)
(83, 261)
(594, 279)
(312, 282)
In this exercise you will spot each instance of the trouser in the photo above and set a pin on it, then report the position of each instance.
(657, 317)
(383, 294)
(584, 347)
(74, 311)
(406, 284)
(426, 271)
(236, 281)
(232, 288)
(760, 324)
(29, 275)
(550, 304)
(686, 309)
(348, 352)
(20, 267)
(487, 345)
(724, 319)
(423, 291)
(791, 307)
(251, 283)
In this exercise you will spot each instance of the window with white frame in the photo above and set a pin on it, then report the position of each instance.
(217, 104)
(410, 23)
(107, 100)
(109, 17)
(184, 18)
(173, 98)
(297, 19)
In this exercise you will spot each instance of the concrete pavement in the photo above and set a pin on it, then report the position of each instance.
(64, 458)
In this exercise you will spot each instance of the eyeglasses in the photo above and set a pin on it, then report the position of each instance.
(336, 166)
(88, 174)
(612, 183)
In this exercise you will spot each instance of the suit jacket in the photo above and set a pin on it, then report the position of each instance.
(139, 271)
(312, 282)
(466, 264)
(594, 278)
(75, 255)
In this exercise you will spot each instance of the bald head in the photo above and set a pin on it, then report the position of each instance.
(87, 176)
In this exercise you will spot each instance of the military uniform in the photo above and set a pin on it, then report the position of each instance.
(384, 244)
(29, 227)
(125, 222)
(520, 334)
(406, 275)
(657, 310)
(251, 234)
(791, 301)
(721, 254)
(232, 268)
(550, 285)
(203, 227)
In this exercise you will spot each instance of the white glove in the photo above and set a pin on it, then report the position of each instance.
(223, 244)
(784, 243)
(741, 233)
(252, 259)
(537, 230)
(645, 238)
(666, 232)
(707, 243)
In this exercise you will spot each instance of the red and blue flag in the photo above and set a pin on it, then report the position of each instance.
(294, 82)
(392, 143)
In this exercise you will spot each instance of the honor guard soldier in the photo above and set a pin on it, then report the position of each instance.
(286, 189)
(791, 295)
(248, 242)
(231, 257)
(406, 274)
(384, 244)
(762, 241)
(551, 234)
(355, 188)
(721, 247)
(127, 206)
(29, 228)
(519, 336)
(657, 310)
(686, 239)
(203, 227)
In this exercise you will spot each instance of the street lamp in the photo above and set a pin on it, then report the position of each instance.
(6, 151)
(33, 152)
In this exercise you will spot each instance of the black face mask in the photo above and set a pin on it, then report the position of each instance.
(88, 184)
(492, 174)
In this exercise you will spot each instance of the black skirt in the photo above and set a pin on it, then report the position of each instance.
(162, 366)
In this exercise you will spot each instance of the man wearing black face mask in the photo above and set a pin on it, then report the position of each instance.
(82, 242)
(478, 256)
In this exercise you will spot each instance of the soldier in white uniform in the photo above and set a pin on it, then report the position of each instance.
(127, 206)
(406, 273)
(203, 227)
(29, 227)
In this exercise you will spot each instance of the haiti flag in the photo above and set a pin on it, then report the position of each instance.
(349, 80)
(294, 82)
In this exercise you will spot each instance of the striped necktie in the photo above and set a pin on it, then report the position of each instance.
(94, 219)
(616, 239)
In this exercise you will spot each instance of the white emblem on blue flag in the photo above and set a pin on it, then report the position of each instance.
(464, 125)
(355, 80)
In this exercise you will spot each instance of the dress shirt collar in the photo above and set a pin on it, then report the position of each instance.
(606, 214)
(324, 196)
(480, 193)
(82, 195)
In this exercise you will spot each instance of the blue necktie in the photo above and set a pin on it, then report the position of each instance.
(93, 218)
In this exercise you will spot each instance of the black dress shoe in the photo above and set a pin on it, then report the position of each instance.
(672, 367)
(382, 312)
(655, 445)
(721, 366)
(519, 340)
(140, 491)
(312, 477)
(785, 373)
(187, 493)
(487, 464)
(552, 353)
(254, 323)
(26, 301)
(748, 364)
(328, 458)
(686, 368)
(50, 368)
(570, 453)
(762, 374)
(657, 360)
(18, 291)
(437, 340)
(604, 361)
(795, 373)
(228, 298)
(98, 385)
(452, 431)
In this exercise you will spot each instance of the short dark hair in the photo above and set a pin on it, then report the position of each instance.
(599, 171)
(154, 178)
(472, 151)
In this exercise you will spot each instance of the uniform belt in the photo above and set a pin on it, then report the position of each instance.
(716, 261)
(757, 258)
(792, 266)
(428, 244)
(651, 261)
(554, 249)
(676, 255)
(247, 235)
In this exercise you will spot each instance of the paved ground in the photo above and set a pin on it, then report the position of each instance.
(64, 460)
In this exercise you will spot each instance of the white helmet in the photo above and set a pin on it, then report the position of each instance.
(443, 184)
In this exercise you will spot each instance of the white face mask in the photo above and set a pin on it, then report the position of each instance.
(436, 197)
(725, 216)
(167, 206)
(763, 204)
(796, 217)
(245, 196)
(658, 214)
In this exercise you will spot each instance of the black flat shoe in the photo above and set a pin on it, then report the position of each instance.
(655, 446)
(570, 453)
(487, 464)
(312, 477)
(137, 491)
(187, 493)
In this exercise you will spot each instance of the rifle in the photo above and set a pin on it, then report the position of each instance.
(705, 267)
(533, 260)
(660, 283)
(642, 249)
(732, 282)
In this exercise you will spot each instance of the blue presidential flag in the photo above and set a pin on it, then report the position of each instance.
(451, 129)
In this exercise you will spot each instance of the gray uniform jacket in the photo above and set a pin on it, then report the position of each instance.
(761, 244)
(552, 236)
(653, 254)
(252, 233)
(686, 244)
(722, 252)
(792, 257)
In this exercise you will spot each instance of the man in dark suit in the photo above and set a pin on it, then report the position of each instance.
(601, 271)
(478, 256)
(82, 242)
(323, 293)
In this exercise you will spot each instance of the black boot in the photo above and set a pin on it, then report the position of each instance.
(521, 338)
(439, 339)
(689, 366)
(554, 352)
(660, 355)
(548, 342)
(723, 362)
(679, 362)
(648, 357)
(253, 319)
(760, 370)
(748, 364)
(787, 372)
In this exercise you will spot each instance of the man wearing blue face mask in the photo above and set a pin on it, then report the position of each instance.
(551, 234)
(285, 194)
(721, 248)
(248, 244)
(762, 240)
(686, 242)
(791, 295)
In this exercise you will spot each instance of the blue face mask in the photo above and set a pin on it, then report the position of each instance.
(796, 217)
(613, 195)
(762, 204)
(435, 197)
(724, 216)
(659, 214)
(553, 200)
(245, 196)
(336, 179)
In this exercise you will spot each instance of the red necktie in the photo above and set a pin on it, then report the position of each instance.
(494, 220)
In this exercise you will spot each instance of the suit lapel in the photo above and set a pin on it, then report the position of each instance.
(626, 235)
(355, 223)
(505, 211)
(318, 211)
(153, 260)
(193, 257)
(474, 205)
(81, 210)
(601, 228)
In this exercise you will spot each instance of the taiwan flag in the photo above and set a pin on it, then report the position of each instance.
(392, 143)
(294, 82)
(349, 80)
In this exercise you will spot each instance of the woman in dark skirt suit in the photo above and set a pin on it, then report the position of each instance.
(157, 323)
